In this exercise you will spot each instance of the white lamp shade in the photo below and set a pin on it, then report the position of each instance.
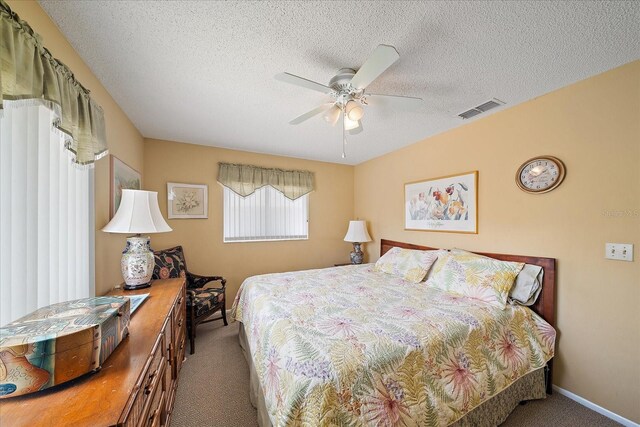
(138, 213)
(350, 124)
(354, 111)
(357, 232)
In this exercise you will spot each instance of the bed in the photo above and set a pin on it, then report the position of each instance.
(353, 346)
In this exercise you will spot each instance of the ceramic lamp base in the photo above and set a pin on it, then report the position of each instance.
(137, 263)
(357, 256)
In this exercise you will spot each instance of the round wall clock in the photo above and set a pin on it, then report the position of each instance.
(540, 174)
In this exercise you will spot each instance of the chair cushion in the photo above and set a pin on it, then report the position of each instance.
(169, 264)
(206, 299)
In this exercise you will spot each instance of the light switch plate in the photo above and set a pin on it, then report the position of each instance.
(619, 251)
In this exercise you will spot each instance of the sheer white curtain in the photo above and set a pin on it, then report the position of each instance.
(46, 216)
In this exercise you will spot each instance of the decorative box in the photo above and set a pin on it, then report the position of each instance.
(60, 342)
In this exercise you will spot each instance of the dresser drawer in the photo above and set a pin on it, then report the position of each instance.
(179, 329)
(143, 391)
(156, 415)
(170, 399)
(179, 332)
(180, 347)
(169, 354)
(155, 369)
(168, 331)
(180, 311)
(153, 388)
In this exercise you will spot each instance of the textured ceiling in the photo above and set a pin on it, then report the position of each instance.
(202, 72)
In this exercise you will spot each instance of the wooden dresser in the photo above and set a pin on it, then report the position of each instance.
(137, 383)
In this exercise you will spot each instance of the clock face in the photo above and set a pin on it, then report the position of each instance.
(540, 174)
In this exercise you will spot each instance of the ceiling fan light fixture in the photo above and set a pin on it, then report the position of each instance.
(354, 111)
(347, 92)
(350, 124)
(332, 115)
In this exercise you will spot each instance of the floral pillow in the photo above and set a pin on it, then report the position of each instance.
(475, 276)
(411, 265)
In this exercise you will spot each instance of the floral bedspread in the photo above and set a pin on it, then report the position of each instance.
(350, 346)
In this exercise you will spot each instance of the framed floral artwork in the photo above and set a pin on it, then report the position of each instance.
(187, 200)
(123, 177)
(448, 203)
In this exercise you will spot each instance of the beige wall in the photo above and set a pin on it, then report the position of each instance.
(594, 127)
(330, 205)
(124, 140)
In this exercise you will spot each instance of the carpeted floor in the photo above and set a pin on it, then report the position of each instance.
(214, 390)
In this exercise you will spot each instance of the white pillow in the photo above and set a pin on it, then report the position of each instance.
(528, 285)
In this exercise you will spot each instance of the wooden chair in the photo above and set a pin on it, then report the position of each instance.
(203, 298)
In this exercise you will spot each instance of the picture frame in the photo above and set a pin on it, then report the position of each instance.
(445, 204)
(123, 177)
(187, 201)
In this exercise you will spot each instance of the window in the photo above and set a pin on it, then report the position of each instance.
(46, 216)
(265, 214)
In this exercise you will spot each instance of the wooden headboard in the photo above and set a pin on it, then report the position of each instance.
(544, 306)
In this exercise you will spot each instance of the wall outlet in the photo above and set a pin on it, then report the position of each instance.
(619, 251)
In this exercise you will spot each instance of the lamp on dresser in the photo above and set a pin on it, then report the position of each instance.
(357, 234)
(138, 213)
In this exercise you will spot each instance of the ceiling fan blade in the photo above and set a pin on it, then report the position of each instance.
(301, 81)
(381, 59)
(395, 101)
(311, 113)
(333, 115)
(357, 130)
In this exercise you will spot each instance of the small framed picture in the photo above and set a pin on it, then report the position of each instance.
(187, 201)
(123, 177)
(448, 203)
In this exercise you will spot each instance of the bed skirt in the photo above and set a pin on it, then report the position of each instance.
(491, 413)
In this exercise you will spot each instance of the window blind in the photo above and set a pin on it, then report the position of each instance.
(46, 216)
(265, 214)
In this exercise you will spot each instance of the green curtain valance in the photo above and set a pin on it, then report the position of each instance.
(29, 74)
(245, 179)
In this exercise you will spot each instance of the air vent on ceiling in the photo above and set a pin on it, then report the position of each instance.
(469, 113)
(486, 106)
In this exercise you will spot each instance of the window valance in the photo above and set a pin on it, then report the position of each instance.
(30, 75)
(245, 179)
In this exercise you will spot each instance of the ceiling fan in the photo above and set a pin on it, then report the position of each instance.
(347, 92)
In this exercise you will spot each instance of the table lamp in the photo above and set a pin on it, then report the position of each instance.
(357, 234)
(138, 213)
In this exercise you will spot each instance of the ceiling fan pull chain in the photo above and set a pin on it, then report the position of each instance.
(344, 135)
